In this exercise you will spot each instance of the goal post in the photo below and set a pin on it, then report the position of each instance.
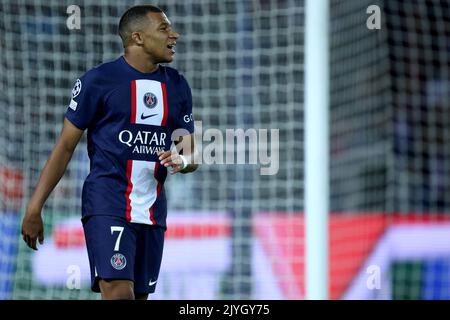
(316, 148)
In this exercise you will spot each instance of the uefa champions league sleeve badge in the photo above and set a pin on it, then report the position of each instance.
(76, 89)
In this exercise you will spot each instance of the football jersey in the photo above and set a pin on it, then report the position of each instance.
(129, 116)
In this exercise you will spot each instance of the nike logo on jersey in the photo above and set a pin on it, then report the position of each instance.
(146, 117)
(151, 283)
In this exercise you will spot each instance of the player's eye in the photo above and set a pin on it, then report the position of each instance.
(165, 28)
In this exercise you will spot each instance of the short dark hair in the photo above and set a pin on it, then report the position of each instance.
(132, 18)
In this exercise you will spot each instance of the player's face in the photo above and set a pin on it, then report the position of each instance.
(159, 38)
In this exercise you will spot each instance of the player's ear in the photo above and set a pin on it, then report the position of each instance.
(137, 38)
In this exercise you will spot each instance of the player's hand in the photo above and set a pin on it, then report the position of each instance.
(172, 160)
(32, 228)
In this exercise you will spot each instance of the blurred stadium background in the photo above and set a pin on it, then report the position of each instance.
(233, 233)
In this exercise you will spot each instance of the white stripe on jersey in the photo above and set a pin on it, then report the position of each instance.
(153, 114)
(144, 191)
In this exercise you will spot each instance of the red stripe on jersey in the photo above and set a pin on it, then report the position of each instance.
(158, 189)
(133, 102)
(129, 188)
(166, 108)
(152, 215)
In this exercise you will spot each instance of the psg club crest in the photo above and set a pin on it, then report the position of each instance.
(150, 100)
(76, 88)
(118, 261)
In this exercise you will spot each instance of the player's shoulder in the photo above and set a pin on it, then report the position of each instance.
(108, 66)
(100, 72)
(174, 75)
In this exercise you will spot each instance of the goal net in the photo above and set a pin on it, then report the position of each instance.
(233, 231)
(390, 149)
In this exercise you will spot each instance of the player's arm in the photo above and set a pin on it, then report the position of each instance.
(32, 227)
(185, 148)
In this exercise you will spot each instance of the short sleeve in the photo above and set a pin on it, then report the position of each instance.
(84, 102)
(186, 118)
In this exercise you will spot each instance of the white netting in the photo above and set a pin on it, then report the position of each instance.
(243, 60)
(233, 232)
(390, 148)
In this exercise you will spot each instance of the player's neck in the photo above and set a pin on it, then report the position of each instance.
(139, 62)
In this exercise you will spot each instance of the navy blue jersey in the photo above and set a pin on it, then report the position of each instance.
(129, 117)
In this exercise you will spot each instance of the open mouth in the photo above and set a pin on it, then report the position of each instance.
(171, 47)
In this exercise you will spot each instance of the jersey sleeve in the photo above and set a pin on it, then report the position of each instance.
(85, 101)
(186, 118)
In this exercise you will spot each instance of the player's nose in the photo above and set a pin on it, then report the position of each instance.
(174, 35)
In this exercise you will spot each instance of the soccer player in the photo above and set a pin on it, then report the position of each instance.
(130, 107)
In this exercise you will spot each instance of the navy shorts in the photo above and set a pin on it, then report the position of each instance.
(118, 249)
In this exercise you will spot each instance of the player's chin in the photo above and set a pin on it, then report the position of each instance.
(165, 60)
(169, 58)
